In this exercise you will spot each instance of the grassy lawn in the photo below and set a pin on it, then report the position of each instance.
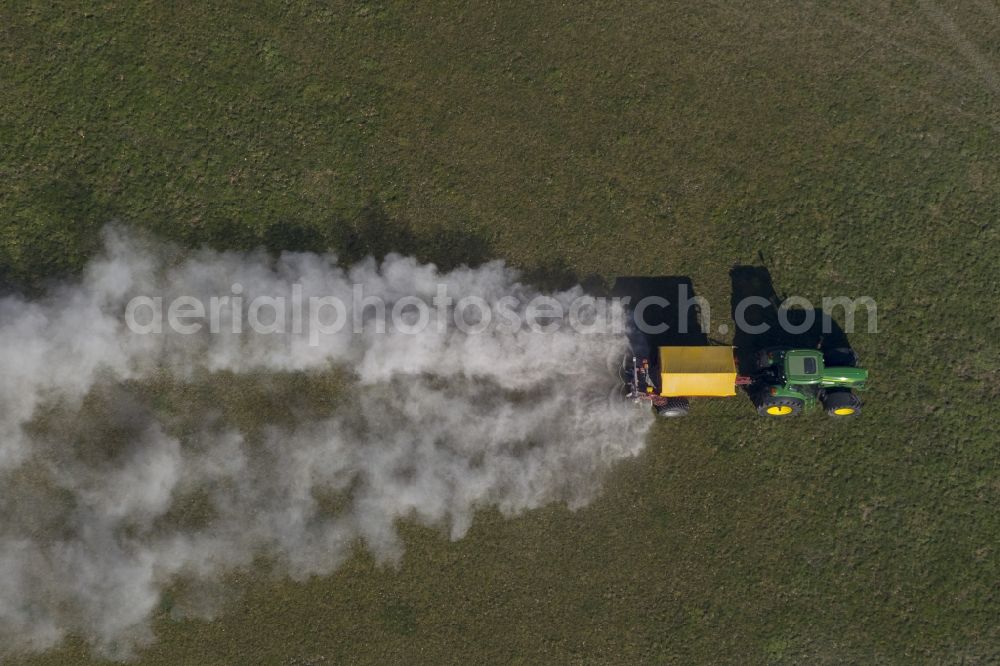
(853, 144)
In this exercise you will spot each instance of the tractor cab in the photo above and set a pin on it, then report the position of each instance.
(803, 366)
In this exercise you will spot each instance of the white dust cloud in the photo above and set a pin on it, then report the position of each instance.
(98, 470)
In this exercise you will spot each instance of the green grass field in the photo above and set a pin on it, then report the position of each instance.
(854, 144)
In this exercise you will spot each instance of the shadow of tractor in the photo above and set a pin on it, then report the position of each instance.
(762, 322)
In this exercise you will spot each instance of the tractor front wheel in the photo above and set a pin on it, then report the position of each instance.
(770, 405)
(841, 403)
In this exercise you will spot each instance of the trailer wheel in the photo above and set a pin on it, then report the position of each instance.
(675, 407)
(769, 405)
(841, 403)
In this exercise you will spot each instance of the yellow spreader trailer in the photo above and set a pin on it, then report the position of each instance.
(682, 373)
(689, 372)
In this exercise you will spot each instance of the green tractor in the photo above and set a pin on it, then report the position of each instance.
(785, 380)
(788, 380)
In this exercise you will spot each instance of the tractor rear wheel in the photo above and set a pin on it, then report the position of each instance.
(675, 407)
(769, 405)
(841, 403)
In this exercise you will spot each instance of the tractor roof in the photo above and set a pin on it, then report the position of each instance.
(697, 371)
(803, 366)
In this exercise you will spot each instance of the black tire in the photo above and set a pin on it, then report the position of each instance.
(840, 404)
(774, 406)
(675, 407)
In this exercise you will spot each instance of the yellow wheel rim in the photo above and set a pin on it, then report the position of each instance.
(844, 411)
(779, 410)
